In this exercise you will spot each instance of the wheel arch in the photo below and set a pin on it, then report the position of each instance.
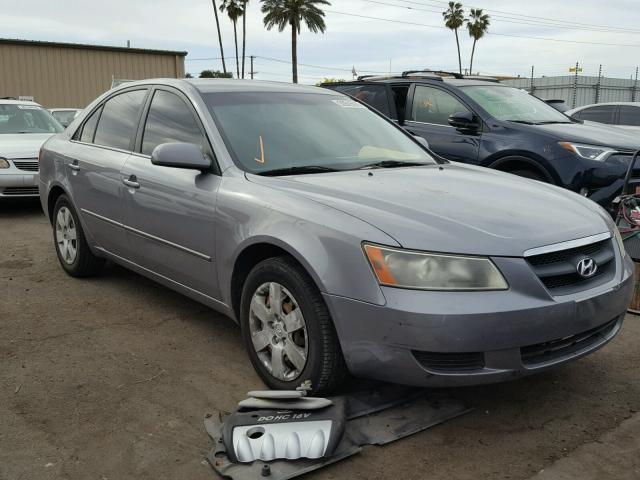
(253, 252)
(510, 162)
(52, 197)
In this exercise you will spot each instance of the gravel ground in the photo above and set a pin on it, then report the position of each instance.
(109, 378)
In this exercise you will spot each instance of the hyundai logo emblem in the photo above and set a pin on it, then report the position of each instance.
(587, 267)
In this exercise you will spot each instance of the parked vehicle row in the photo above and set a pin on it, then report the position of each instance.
(493, 125)
(335, 239)
(65, 115)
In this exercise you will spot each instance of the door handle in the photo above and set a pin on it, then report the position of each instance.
(131, 182)
(74, 166)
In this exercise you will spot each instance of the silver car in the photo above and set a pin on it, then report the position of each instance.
(24, 127)
(334, 238)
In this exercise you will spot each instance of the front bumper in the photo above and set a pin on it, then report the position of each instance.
(14, 184)
(465, 338)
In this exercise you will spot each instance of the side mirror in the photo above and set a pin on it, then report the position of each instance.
(180, 155)
(421, 141)
(463, 121)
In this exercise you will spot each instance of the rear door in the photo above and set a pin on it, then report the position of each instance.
(427, 113)
(171, 211)
(98, 152)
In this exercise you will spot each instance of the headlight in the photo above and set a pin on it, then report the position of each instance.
(4, 163)
(618, 236)
(590, 152)
(433, 271)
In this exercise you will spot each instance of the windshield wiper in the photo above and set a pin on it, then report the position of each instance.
(392, 164)
(298, 170)
(549, 122)
(526, 122)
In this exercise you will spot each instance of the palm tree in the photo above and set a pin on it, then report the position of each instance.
(453, 20)
(477, 25)
(283, 13)
(234, 12)
(215, 11)
(244, 32)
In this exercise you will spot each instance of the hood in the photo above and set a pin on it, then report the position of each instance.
(22, 145)
(592, 133)
(453, 208)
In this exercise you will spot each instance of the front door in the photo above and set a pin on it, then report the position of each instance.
(428, 113)
(171, 211)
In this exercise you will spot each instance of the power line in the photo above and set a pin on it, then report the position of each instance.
(509, 19)
(490, 33)
(444, 4)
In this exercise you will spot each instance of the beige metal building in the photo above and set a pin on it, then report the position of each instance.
(72, 75)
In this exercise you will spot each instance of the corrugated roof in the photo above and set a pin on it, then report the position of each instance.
(17, 41)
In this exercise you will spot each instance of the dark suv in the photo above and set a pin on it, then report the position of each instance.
(483, 122)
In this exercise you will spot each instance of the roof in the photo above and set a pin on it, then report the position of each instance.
(633, 104)
(458, 82)
(210, 85)
(83, 46)
(4, 101)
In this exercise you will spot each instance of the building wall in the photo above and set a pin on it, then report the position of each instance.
(586, 90)
(72, 76)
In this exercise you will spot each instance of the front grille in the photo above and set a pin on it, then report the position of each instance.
(27, 164)
(18, 191)
(450, 362)
(554, 349)
(558, 270)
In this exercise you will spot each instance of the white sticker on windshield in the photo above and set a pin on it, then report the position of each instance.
(347, 103)
(28, 107)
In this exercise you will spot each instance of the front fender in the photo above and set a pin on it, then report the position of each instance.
(326, 242)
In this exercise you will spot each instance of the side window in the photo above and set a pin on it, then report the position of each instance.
(373, 95)
(89, 128)
(629, 115)
(600, 113)
(170, 120)
(119, 119)
(433, 105)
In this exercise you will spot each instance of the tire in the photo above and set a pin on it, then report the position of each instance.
(324, 366)
(529, 174)
(71, 245)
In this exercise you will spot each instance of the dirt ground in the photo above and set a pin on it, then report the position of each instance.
(109, 378)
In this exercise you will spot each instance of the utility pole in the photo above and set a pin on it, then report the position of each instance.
(575, 87)
(635, 87)
(598, 85)
(251, 72)
(531, 87)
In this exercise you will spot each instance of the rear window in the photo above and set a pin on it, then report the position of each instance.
(373, 95)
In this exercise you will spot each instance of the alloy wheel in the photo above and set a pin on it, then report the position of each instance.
(66, 236)
(278, 331)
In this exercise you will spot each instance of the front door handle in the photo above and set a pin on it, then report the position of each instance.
(131, 182)
(74, 166)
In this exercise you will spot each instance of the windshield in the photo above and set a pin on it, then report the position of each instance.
(268, 131)
(65, 117)
(512, 104)
(17, 118)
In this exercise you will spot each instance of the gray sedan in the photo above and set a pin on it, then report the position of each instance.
(334, 238)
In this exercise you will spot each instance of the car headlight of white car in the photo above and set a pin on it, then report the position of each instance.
(433, 271)
(4, 163)
(590, 152)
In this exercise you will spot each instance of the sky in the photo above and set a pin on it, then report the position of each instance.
(372, 36)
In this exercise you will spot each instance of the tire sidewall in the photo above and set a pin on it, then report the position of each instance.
(63, 201)
(276, 271)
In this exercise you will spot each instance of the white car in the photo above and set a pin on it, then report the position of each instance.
(65, 115)
(624, 115)
(24, 127)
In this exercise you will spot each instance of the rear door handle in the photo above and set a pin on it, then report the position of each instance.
(74, 165)
(131, 182)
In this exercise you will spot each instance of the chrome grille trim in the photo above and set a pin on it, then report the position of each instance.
(26, 164)
(578, 242)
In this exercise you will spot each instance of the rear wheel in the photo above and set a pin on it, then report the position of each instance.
(71, 245)
(287, 329)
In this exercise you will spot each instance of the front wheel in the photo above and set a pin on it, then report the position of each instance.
(287, 329)
(71, 245)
